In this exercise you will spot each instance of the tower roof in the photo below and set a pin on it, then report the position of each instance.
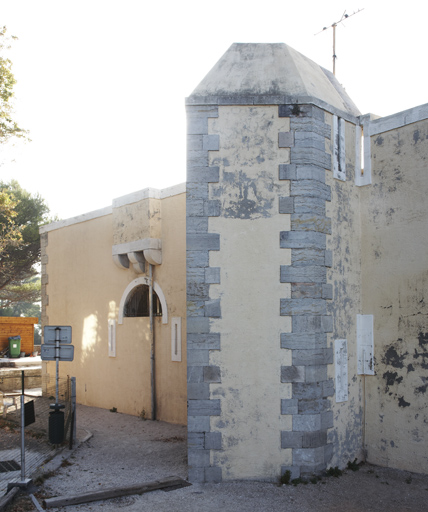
(274, 71)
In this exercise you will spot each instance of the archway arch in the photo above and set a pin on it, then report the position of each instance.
(138, 282)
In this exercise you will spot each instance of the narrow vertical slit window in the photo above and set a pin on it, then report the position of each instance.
(176, 339)
(112, 338)
(339, 162)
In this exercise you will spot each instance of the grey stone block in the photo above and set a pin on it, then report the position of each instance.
(303, 139)
(327, 323)
(310, 222)
(203, 242)
(307, 390)
(314, 406)
(306, 290)
(196, 190)
(311, 324)
(194, 142)
(197, 357)
(290, 307)
(328, 262)
(308, 456)
(213, 441)
(310, 156)
(306, 423)
(203, 174)
(196, 440)
(211, 142)
(328, 453)
(315, 440)
(197, 291)
(204, 407)
(213, 474)
(195, 307)
(203, 341)
(327, 291)
(198, 423)
(310, 172)
(198, 391)
(197, 159)
(327, 420)
(197, 259)
(212, 374)
(195, 374)
(195, 208)
(287, 172)
(286, 205)
(292, 374)
(313, 356)
(303, 340)
(196, 475)
(305, 257)
(285, 139)
(310, 188)
(315, 205)
(316, 373)
(301, 240)
(212, 208)
(198, 458)
(328, 388)
(196, 125)
(291, 439)
(212, 275)
(309, 274)
(289, 406)
(197, 224)
(213, 309)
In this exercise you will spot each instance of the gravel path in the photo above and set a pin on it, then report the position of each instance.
(125, 450)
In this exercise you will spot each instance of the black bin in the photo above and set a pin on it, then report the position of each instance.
(56, 427)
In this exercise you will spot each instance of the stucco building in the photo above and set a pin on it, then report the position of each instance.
(301, 241)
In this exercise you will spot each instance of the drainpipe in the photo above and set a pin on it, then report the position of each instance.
(152, 343)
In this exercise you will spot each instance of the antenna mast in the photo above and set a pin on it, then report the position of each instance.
(334, 25)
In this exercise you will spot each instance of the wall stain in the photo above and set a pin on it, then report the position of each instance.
(402, 402)
(392, 358)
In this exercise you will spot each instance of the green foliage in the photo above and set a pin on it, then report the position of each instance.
(8, 127)
(285, 478)
(353, 466)
(336, 472)
(22, 214)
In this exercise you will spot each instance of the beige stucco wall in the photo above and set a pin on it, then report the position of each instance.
(84, 289)
(394, 213)
(250, 358)
(345, 276)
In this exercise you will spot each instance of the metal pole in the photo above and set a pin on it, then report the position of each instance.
(22, 429)
(57, 331)
(152, 347)
(334, 49)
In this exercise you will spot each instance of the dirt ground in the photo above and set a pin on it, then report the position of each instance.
(125, 450)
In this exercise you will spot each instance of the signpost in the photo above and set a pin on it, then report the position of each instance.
(57, 348)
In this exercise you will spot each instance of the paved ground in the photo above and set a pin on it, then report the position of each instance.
(125, 450)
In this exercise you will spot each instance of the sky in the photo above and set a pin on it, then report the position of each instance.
(101, 84)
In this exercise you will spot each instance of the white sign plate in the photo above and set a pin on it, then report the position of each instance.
(66, 352)
(49, 333)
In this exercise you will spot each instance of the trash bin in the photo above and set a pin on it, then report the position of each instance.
(14, 346)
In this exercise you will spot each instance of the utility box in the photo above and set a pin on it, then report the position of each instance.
(14, 346)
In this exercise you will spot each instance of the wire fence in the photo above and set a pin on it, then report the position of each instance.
(39, 395)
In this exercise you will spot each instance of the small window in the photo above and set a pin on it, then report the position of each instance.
(137, 303)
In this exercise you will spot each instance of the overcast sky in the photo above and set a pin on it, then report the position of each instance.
(102, 83)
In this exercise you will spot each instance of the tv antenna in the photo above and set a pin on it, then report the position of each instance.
(334, 25)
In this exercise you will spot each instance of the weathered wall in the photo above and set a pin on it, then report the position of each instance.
(83, 288)
(394, 213)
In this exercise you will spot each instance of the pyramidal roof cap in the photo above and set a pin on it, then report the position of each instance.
(271, 73)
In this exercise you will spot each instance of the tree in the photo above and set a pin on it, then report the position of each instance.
(20, 244)
(8, 127)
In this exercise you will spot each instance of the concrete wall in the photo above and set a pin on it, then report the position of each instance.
(394, 213)
(84, 288)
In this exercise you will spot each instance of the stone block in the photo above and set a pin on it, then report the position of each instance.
(212, 308)
(198, 458)
(203, 241)
(308, 274)
(294, 471)
(291, 439)
(197, 159)
(194, 142)
(198, 423)
(210, 341)
(328, 261)
(196, 475)
(310, 188)
(310, 222)
(303, 340)
(203, 174)
(306, 423)
(212, 374)
(285, 139)
(197, 259)
(316, 373)
(315, 205)
(313, 356)
(311, 324)
(198, 391)
(307, 390)
(197, 290)
(195, 374)
(211, 142)
(309, 140)
(313, 406)
(212, 208)
(307, 257)
(328, 388)
(195, 208)
(290, 307)
(204, 407)
(328, 452)
(302, 240)
(327, 291)
(196, 190)
(327, 420)
(306, 290)
(314, 440)
(310, 172)
(286, 205)
(213, 474)
(212, 275)
(197, 224)
(213, 441)
(197, 357)
(310, 156)
(196, 440)
(292, 374)
(287, 172)
(289, 406)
